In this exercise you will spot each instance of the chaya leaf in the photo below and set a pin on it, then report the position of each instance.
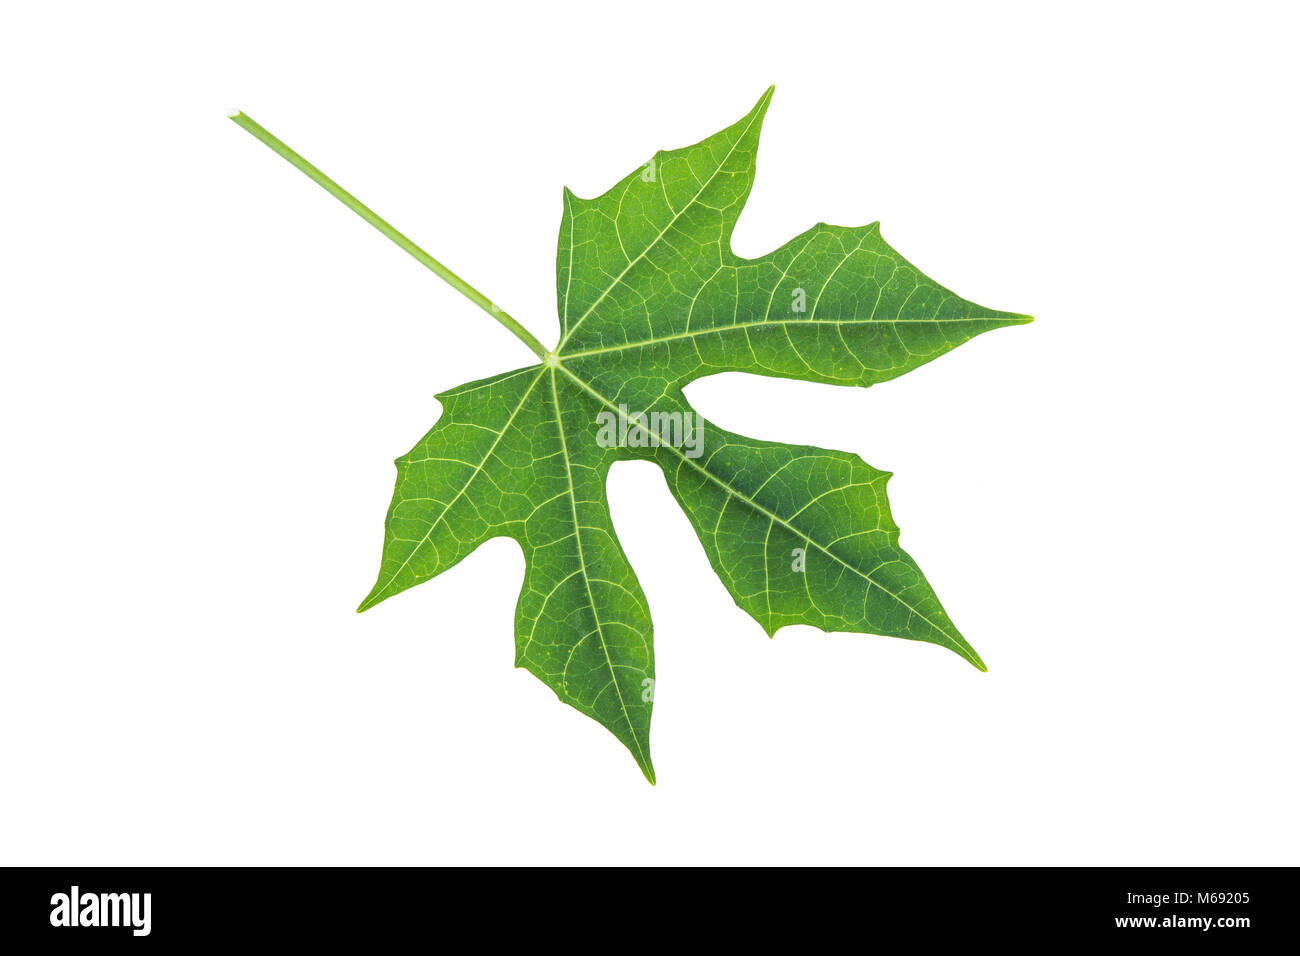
(651, 297)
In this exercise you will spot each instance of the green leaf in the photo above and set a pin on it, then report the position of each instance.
(651, 297)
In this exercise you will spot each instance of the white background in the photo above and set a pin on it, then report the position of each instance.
(208, 366)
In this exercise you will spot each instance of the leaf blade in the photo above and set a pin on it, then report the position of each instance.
(651, 297)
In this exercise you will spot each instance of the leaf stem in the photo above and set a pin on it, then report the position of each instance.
(370, 216)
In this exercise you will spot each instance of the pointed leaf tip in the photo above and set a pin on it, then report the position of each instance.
(969, 653)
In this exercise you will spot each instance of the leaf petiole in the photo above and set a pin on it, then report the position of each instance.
(370, 216)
